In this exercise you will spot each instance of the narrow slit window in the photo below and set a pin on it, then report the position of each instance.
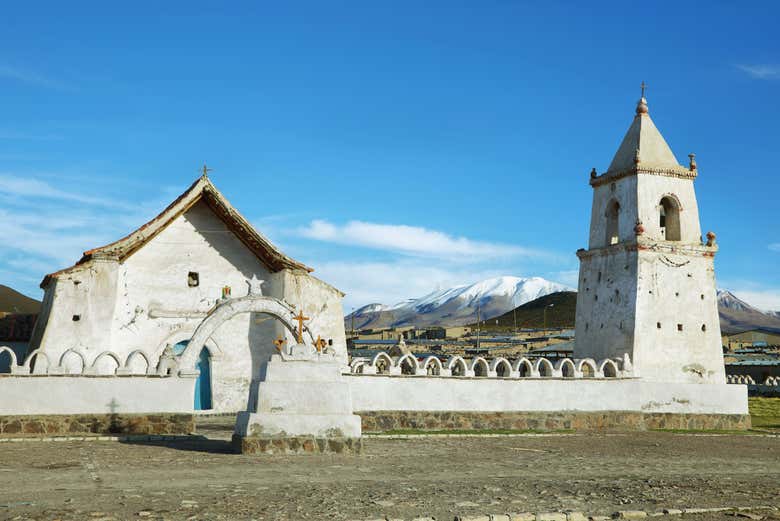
(613, 225)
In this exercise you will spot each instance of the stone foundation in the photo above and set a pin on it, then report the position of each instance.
(383, 421)
(86, 424)
(296, 445)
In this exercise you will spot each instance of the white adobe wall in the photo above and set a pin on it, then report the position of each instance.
(322, 304)
(624, 191)
(652, 188)
(27, 395)
(90, 294)
(678, 290)
(399, 393)
(606, 305)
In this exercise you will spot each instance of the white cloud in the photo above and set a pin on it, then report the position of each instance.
(761, 72)
(47, 228)
(761, 296)
(775, 246)
(569, 277)
(24, 186)
(765, 299)
(411, 240)
(393, 282)
(31, 78)
(23, 136)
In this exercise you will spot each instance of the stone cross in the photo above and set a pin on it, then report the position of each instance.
(113, 405)
(300, 319)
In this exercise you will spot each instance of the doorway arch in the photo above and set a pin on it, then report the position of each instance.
(229, 309)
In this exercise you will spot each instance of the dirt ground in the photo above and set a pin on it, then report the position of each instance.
(407, 478)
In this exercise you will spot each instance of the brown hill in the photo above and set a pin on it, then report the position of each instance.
(560, 313)
(11, 301)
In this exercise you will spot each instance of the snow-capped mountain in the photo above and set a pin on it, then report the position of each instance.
(738, 315)
(727, 300)
(456, 306)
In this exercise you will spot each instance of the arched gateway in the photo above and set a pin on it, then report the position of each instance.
(229, 309)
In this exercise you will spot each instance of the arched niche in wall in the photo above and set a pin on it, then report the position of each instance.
(669, 218)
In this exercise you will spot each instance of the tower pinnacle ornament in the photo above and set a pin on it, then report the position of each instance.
(641, 106)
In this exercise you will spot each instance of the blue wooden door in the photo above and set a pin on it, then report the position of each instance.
(203, 383)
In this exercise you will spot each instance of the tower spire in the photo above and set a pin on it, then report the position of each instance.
(641, 106)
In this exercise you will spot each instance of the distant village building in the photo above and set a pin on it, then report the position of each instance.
(752, 338)
(140, 299)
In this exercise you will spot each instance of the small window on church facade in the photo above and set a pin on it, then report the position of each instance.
(193, 279)
(679, 327)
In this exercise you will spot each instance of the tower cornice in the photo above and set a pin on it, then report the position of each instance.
(610, 176)
(652, 245)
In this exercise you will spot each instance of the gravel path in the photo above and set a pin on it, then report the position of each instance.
(440, 477)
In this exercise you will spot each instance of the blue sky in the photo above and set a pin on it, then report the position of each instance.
(397, 146)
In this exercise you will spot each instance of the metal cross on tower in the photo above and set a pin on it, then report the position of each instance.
(644, 86)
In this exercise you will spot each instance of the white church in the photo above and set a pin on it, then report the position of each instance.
(121, 306)
(196, 310)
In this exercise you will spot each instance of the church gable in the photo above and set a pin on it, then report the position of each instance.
(201, 192)
(197, 254)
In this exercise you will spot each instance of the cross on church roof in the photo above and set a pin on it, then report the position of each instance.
(206, 170)
(644, 86)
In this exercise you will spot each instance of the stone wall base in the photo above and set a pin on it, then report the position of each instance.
(85, 424)
(383, 421)
(296, 445)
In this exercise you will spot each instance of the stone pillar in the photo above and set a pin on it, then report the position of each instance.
(304, 405)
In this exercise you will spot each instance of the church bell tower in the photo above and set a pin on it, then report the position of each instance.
(647, 280)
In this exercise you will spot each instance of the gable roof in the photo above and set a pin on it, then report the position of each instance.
(643, 138)
(200, 190)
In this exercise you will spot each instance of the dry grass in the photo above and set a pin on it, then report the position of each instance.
(765, 412)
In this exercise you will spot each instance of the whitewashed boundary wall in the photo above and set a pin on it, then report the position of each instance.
(769, 387)
(75, 362)
(39, 395)
(386, 383)
(457, 366)
(104, 384)
(409, 393)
